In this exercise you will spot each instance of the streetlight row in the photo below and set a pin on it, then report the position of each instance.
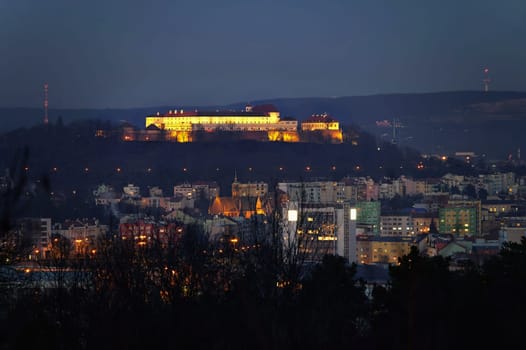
(185, 169)
(307, 168)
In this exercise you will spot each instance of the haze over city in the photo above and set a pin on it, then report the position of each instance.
(131, 53)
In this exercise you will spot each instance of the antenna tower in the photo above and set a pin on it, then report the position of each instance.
(486, 80)
(46, 119)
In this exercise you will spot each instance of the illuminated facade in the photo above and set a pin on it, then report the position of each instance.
(396, 225)
(260, 123)
(369, 215)
(323, 127)
(422, 223)
(237, 207)
(314, 191)
(320, 122)
(311, 231)
(257, 118)
(383, 250)
(460, 218)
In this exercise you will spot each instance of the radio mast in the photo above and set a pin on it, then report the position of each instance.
(46, 119)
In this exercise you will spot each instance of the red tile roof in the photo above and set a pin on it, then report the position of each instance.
(259, 110)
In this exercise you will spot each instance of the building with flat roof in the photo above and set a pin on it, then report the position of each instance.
(257, 118)
(310, 231)
(396, 225)
(314, 191)
(368, 214)
(249, 189)
(384, 250)
(320, 122)
(459, 220)
(261, 122)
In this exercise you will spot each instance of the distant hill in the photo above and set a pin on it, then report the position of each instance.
(73, 162)
(442, 122)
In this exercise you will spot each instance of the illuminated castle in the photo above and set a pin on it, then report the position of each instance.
(320, 122)
(257, 118)
(321, 127)
(261, 122)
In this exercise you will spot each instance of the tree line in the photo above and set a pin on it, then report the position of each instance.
(194, 293)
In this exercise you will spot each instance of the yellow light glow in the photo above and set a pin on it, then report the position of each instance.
(284, 136)
(327, 238)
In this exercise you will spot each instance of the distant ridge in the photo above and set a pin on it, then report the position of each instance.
(420, 113)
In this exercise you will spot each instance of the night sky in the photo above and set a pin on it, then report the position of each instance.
(139, 53)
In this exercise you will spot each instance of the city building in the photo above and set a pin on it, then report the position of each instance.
(321, 126)
(180, 125)
(460, 218)
(384, 250)
(368, 215)
(105, 195)
(132, 191)
(147, 233)
(320, 122)
(396, 225)
(82, 233)
(512, 234)
(237, 206)
(314, 191)
(360, 189)
(197, 190)
(311, 231)
(498, 182)
(249, 189)
(422, 222)
(262, 123)
(257, 118)
(36, 232)
(177, 202)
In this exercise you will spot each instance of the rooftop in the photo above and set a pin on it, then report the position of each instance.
(320, 118)
(256, 111)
